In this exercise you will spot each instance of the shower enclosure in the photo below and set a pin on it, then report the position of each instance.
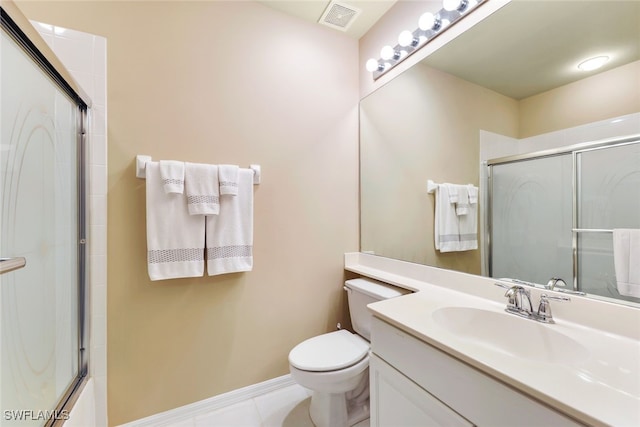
(42, 230)
(552, 214)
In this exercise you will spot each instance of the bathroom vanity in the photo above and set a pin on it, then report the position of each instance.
(449, 354)
(414, 383)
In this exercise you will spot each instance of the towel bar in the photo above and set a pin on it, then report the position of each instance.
(432, 186)
(10, 264)
(142, 160)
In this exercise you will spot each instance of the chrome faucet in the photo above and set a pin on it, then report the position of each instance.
(556, 282)
(519, 303)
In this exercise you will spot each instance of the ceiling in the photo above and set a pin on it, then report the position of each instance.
(312, 10)
(526, 47)
(529, 47)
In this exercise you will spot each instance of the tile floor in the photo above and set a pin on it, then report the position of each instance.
(287, 407)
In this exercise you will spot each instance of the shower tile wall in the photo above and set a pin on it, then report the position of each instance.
(85, 55)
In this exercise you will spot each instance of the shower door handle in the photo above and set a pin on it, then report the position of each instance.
(10, 264)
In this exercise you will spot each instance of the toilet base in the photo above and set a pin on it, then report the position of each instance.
(328, 410)
(341, 409)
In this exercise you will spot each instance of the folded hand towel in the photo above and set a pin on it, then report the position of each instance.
(201, 186)
(473, 194)
(468, 229)
(172, 173)
(452, 191)
(446, 221)
(626, 258)
(230, 234)
(228, 178)
(462, 206)
(175, 239)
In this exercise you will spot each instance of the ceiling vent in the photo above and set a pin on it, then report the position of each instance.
(339, 15)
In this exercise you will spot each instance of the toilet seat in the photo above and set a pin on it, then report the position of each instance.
(329, 352)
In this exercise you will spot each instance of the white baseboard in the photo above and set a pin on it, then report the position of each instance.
(213, 403)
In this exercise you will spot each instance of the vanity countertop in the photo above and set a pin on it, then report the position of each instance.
(590, 374)
(601, 389)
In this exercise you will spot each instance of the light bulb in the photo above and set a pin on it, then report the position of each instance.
(406, 39)
(427, 21)
(372, 65)
(454, 4)
(593, 63)
(387, 52)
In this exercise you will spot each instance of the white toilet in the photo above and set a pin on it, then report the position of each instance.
(335, 366)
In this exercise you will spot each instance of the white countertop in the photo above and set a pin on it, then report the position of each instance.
(601, 388)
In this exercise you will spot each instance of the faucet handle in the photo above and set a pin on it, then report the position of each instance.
(555, 298)
(513, 302)
(544, 309)
(555, 281)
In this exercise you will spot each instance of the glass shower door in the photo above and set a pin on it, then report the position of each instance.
(39, 186)
(608, 197)
(531, 216)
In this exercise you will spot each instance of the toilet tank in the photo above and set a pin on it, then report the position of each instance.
(360, 293)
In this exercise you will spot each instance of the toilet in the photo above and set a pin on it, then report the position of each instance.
(335, 365)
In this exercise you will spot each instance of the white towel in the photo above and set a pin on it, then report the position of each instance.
(230, 234)
(626, 258)
(172, 173)
(228, 179)
(175, 239)
(473, 194)
(201, 186)
(468, 228)
(452, 190)
(462, 206)
(446, 221)
(454, 233)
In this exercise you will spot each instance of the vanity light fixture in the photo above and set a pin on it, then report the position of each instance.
(429, 26)
(593, 63)
(459, 5)
(373, 65)
(429, 22)
(388, 52)
(406, 39)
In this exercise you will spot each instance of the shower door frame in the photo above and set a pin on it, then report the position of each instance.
(18, 27)
(573, 150)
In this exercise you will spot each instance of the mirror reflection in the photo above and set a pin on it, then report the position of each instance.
(508, 86)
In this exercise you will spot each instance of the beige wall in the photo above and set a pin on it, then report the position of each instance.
(423, 125)
(223, 82)
(603, 96)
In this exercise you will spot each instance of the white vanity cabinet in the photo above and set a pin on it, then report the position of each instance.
(415, 384)
(398, 401)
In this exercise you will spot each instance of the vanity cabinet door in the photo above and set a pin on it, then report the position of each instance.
(474, 395)
(396, 401)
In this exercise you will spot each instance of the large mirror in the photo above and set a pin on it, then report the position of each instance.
(514, 78)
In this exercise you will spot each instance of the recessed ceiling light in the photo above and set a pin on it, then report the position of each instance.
(593, 63)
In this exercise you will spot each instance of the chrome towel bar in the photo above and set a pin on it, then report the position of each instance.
(10, 264)
(142, 160)
(591, 230)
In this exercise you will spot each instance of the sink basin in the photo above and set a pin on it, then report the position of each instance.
(509, 334)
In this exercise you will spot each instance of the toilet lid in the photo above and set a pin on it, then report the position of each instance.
(328, 352)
